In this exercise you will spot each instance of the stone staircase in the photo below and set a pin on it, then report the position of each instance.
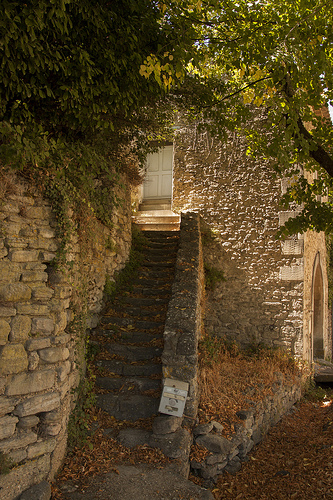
(131, 339)
(156, 215)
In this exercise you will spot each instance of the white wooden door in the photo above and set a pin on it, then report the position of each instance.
(158, 180)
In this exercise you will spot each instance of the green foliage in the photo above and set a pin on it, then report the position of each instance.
(78, 425)
(83, 79)
(264, 69)
(213, 276)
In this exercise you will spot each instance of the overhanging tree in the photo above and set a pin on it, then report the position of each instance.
(77, 73)
(268, 57)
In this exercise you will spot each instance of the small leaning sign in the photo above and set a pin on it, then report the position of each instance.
(173, 397)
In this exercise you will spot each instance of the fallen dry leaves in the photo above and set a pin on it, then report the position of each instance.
(294, 461)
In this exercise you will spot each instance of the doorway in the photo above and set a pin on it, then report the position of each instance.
(318, 310)
(158, 180)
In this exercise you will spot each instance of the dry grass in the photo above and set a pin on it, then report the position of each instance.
(232, 380)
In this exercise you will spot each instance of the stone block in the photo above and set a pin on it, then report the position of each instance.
(33, 360)
(54, 354)
(17, 456)
(13, 359)
(4, 331)
(42, 325)
(21, 478)
(28, 422)
(166, 424)
(215, 444)
(61, 339)
(20, 328)
(63, 371)
(7, 426)
(34, 276)
(15, 292)
(35, 212)
(33, 309)
(16, 242)
(52, 429)
(7, 405)
(40, 491)
(60, 322)
(47, 256)
(42, 292)
(23, 255)
(26, 383)
(41, 448)
(3, 252)
(38, 404)
(37, 343)
(22, 440)
(46, 232)
(7, 312)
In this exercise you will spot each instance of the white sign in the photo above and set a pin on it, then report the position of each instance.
(173, 397)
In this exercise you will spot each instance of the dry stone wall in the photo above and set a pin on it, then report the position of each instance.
(40, 360)
(227, 454)
(261, 298)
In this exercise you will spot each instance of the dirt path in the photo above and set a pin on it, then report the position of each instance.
(294, 461)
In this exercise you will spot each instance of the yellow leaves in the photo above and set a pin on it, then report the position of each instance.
(248, 96)
(164, 74)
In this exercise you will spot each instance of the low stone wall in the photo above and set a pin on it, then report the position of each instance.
(228, 454)
(40, 307)
(181, 335)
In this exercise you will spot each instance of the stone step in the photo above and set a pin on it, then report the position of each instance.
(109, 321)
(163, 258)
(162, 235)
(128, 407)
(137, 312)
(154, 283)
(157, 226)
(132, 337)
(156, 204)
(157, 265)
(134, 352)
(125, 384)
(135, 370)
(138, 301)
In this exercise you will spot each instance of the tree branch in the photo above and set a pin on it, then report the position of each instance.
(317, 152)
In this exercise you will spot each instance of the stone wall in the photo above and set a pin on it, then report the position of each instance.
(224, 454)
(182, 332)
(40, 350)
(261, 298)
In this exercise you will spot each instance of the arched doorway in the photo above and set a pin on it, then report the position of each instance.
(318, 310)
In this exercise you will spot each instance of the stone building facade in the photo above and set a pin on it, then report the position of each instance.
(273, 292)
(40, 312)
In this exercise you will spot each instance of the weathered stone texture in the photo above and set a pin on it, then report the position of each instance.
(4, 331)
(260, 298)
(13, 359)
(26, 383)
(38, 368)
(20, 328)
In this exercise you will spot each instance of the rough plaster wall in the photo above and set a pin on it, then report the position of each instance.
(238, 198)
(39, 364)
